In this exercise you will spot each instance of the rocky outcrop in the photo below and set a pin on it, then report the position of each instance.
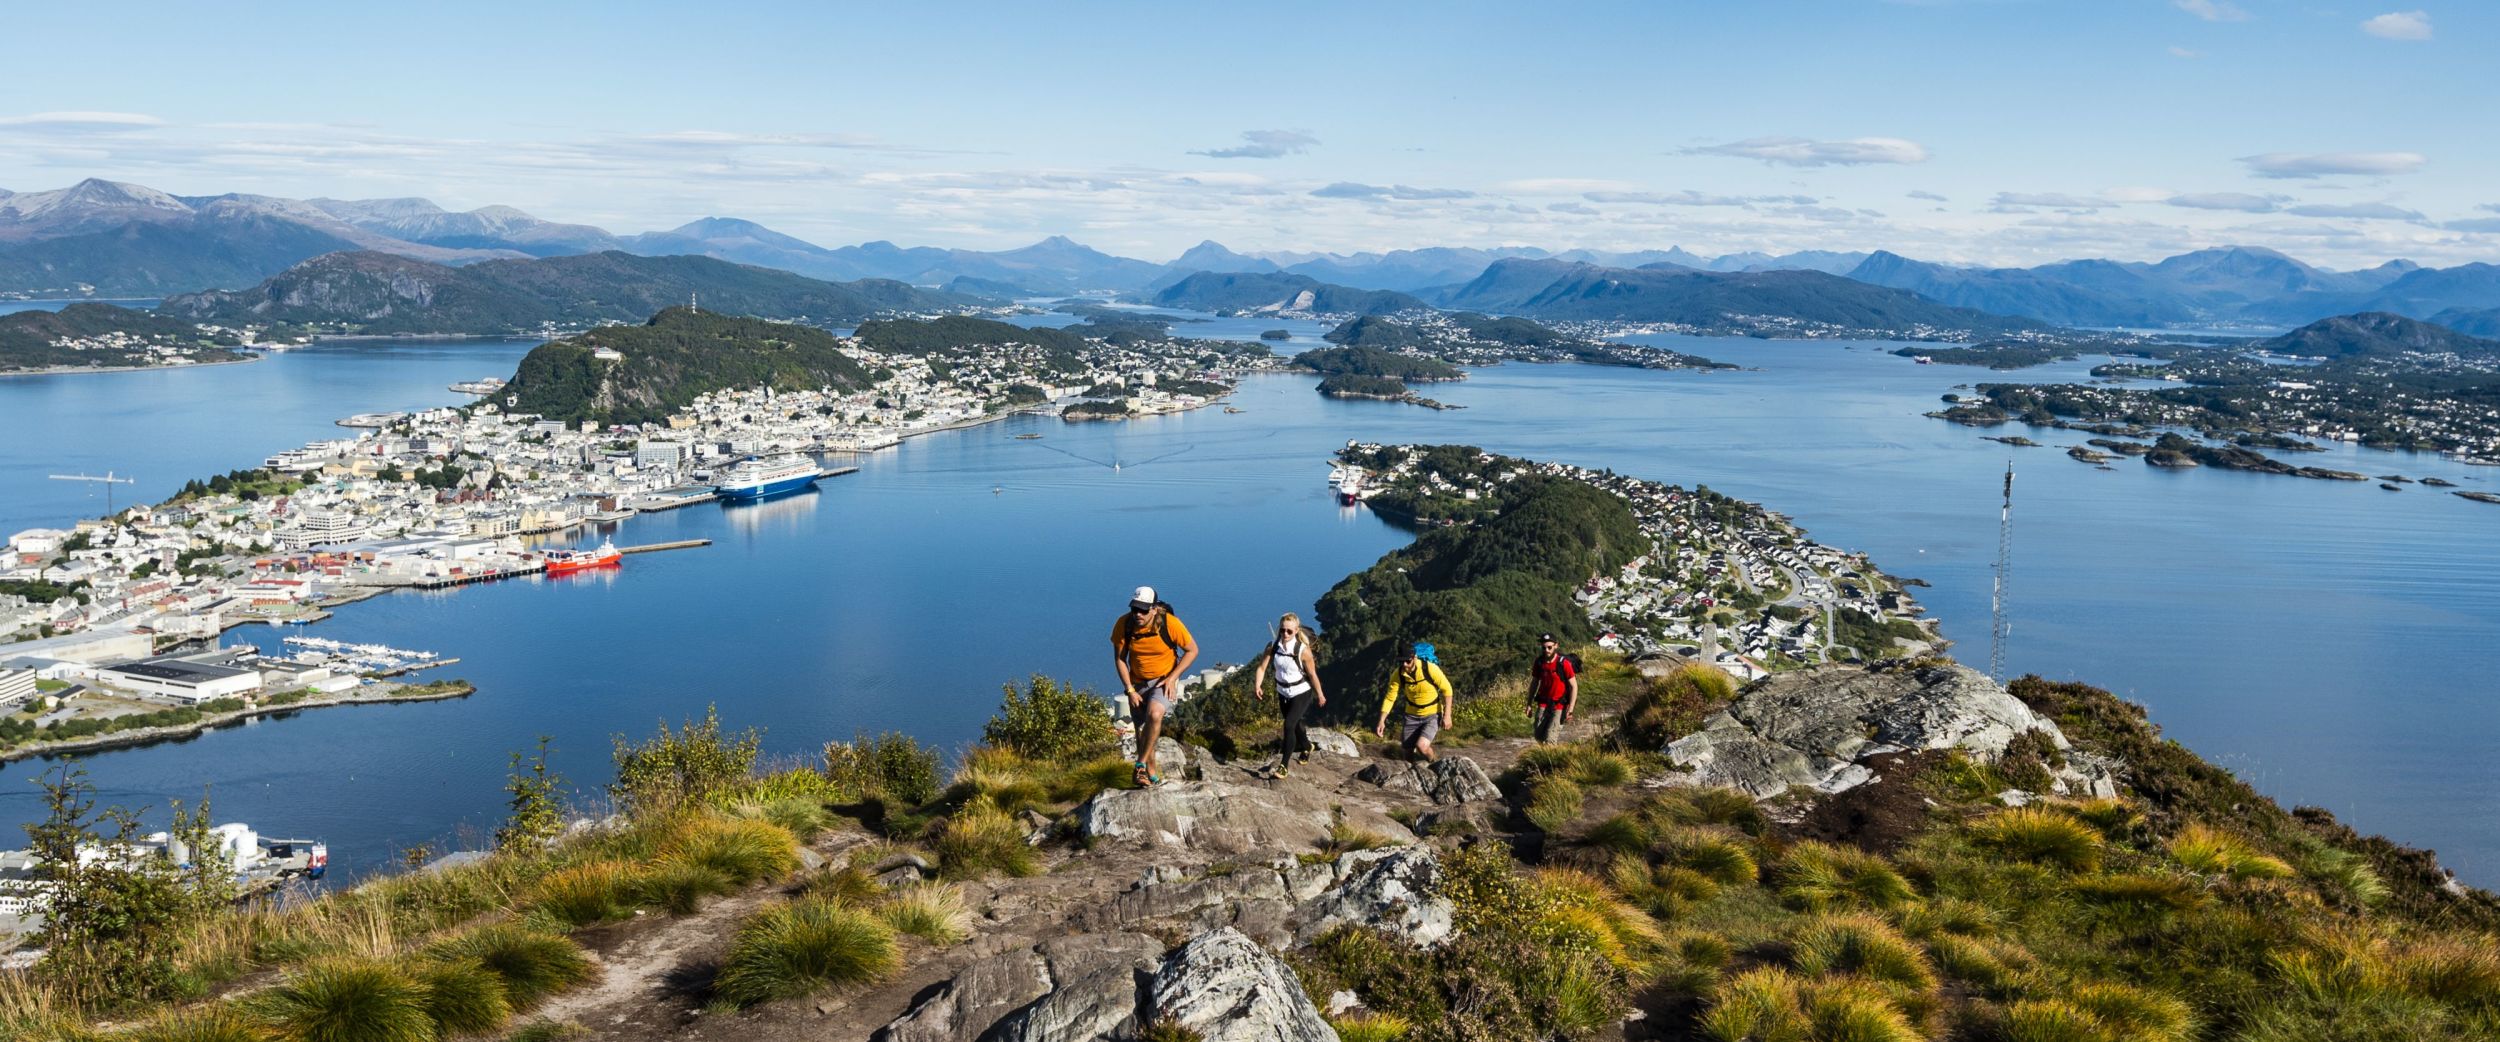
(1223, 818)
(1334, 743)
(1448, 780)
(1228, 989)
(1391, 889)
(1813, 728)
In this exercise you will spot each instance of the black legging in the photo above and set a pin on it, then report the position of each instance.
(1296, 738)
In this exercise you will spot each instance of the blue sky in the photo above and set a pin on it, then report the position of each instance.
(1998, 132)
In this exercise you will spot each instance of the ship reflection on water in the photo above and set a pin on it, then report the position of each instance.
(780, 515)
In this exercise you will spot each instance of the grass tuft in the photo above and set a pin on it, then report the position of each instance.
(1371, 1027)
(2212, 852)
(981, 840)
(788, 950)
(215, 1022)
(1553, 802)
(348, 1000)
(464, 998)
(743, 851)
(591, 892)
(681, 886)
(1758, 1006)
(2042, 836)
(1817, 877)
(933, 913)
(533, 965)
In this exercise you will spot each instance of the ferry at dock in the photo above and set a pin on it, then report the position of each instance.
(562, 561)
(756, 477)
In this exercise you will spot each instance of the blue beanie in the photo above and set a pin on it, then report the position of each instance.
(1423, 650)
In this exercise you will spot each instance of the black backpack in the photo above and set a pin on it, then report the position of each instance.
(1572, 657)
(1163, 627)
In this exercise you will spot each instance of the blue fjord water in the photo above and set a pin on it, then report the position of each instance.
(2326, 640)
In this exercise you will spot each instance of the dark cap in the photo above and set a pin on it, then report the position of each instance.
(1547, 639)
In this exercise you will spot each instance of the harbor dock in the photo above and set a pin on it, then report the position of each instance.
(649, 548)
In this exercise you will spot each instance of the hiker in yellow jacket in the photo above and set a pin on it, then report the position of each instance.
(1421, 694)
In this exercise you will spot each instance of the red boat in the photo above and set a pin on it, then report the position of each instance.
(561, 561)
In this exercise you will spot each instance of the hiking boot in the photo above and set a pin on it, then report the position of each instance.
(1305, 757)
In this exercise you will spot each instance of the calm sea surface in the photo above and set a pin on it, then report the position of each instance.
(2329, 641)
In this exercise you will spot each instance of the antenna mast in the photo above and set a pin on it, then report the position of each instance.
(1998, 628)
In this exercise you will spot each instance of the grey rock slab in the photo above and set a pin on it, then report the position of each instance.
(981, 994)
(1449, 780)
(1097, 987)
(1815, 728)
(1392, 889)
(1222, 818)
(1228, 989)
(1334, 743)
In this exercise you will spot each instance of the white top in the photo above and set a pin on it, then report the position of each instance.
(1287, 665)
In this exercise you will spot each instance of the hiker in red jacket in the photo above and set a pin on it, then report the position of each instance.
(1553, 689)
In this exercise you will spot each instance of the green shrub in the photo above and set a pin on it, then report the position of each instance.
(933, 913)
(533, 965)
(2042, 836)
(1759, 1006)
(1052, 722)
(464, 998)
(2135, 1014)
(1725, 860)
(348, 1001)
(892, 765)
(849, 884)
(1674, 706)
(1861, 946)
(2053, 1020)
(1857, 1011)
(2212, 852)
(790, 949)
(690, 763)
(980, 839)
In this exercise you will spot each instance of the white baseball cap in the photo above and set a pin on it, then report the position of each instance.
(1144, 595)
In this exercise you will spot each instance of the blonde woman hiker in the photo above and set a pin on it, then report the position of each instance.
(1152, 651)
(1290, 661)
(1420, 692)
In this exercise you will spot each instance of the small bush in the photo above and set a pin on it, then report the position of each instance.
(348, 1001)
(742, 851)
(1674, 706)
(591, 892)
(935, 914)
(1818, 877)
(1052, 722)
(689, 763)
(464, 998)
(981, 839)
(788, 950)
(893, 766)
(2042, 836)
(533, 965)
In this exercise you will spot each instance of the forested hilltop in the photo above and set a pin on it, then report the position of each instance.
(669, 361)
(105, 336)
(379, 293)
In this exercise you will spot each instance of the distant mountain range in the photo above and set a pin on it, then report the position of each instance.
(109, 239)
(372, 293)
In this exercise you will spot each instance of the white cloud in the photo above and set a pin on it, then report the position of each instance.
(2474, 224)
(1929, 196)
(2177, 51)
(2324, 164)
(1582, 209)
(2399, 25)
(1354, 190)
(2366, 211)
(2239, 201)
(1688, 197)
(38, 121)
(1797, 151)
(2006, 201)
(2212, 10)
(1264, 144)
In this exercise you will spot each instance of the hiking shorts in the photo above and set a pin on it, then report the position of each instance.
(1413, 729)
(1157, 692)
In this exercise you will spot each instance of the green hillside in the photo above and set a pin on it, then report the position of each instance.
(672, 359)
(27, 337)
(1370, 361)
